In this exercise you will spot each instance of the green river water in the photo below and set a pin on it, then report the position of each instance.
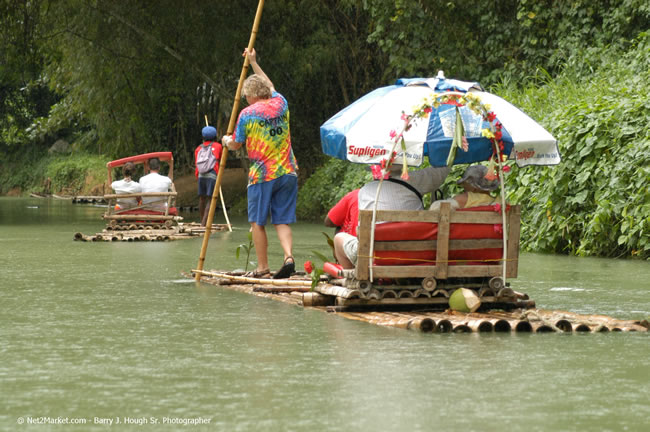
(99, 332)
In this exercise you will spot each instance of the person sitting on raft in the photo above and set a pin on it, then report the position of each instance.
(395, 194)
(477, 190)
(126, 186)
(154, 182)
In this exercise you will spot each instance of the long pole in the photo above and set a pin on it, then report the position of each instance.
(231, 128)
(223, 203)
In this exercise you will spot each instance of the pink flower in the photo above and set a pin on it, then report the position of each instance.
(309, 267)
(404, 116)
(497, 208)
(377, 171)
(506, 168)
(498, 228)
(393, 134)
(405, 175)
(465, 143)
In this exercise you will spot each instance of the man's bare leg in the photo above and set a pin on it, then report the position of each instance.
(261, 246)
(340, 253)
(286, 239)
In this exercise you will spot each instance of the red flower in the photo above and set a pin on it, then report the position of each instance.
(491, 116)
(498, 134)
(309, 267)
(428, 110)
(506, 168)
(497, 208)
(498, 228)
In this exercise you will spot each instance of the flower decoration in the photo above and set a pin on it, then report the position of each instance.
(494, 132)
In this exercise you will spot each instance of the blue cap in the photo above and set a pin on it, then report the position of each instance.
(209, 132)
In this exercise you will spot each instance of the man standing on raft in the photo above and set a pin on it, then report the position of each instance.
(272, 180)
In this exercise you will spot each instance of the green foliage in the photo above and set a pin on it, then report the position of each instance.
(70, 173)
(330, 243)
(486, 40)
(327, 186)
(67, 175)
(248, 248)
(596, 202)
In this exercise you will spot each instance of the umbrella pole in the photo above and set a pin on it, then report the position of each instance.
(231, 127)
(503, 215)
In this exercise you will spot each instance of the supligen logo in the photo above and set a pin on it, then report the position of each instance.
(367, 151)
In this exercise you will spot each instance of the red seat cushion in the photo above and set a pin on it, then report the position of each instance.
(404, 231)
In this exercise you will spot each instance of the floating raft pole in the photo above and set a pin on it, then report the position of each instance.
(148, 232)
(418, 312)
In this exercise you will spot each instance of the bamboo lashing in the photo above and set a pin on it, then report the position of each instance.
(223, 203)
(231, 127)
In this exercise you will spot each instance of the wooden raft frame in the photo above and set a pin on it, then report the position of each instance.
(142, 159)
(442, 245)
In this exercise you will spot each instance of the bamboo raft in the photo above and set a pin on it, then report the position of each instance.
(155, 232)
(415, 313)
(88, 199)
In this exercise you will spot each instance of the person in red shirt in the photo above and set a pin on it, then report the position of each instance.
(344, 216)
(206, 161)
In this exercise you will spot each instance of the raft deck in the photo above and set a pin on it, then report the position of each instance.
(429, 317)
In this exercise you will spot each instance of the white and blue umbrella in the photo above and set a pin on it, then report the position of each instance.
(361, 132)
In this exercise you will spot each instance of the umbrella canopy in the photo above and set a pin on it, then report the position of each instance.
(362, 132)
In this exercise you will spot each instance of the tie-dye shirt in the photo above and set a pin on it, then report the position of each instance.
(264, 128)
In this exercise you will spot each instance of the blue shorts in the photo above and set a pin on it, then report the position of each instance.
(206, 186)
(277, 197)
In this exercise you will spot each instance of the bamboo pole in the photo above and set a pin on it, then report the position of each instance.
(252, 280)
(223, 203)
(231, 127)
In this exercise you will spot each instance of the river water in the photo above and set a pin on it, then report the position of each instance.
(99, 332)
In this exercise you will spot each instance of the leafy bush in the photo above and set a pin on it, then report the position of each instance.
(596, 202)
(70, 174)
(327, 186)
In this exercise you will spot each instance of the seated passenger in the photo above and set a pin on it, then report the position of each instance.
(344, 216)
(154, 182)
(126, 186)
(395, 194)
(477, 190)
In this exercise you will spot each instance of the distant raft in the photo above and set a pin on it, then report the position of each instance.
(155, 232)
(414, 308)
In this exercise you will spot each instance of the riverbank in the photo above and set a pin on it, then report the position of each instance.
(233, 185)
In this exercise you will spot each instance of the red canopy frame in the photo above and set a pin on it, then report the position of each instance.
(142, 159)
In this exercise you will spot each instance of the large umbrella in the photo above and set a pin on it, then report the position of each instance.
(434, 117)
(363, 131)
